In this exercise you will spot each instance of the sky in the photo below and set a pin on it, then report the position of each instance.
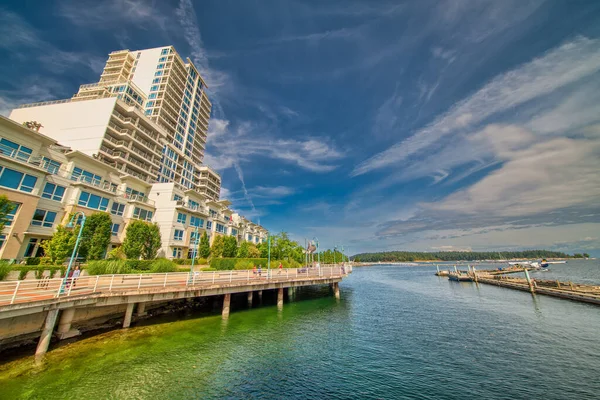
(374, 125)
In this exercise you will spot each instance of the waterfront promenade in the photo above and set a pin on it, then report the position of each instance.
(32, 307)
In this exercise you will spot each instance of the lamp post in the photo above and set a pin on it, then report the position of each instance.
(72, 224)
(316, 241)
(194, 251)
(269, 253)
(334, 250)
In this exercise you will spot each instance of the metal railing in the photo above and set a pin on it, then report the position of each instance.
(25, 291)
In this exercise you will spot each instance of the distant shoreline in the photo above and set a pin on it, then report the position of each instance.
(366, 264)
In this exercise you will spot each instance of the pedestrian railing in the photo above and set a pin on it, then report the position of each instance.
(25, 291)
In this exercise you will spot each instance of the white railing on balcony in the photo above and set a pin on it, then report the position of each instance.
(44, 103)
(29, 291)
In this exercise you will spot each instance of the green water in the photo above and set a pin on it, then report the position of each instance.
(398, 332)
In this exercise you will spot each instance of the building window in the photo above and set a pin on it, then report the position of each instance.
(117, 209)
(82, 175)
(155, 80)
(249, 238)
(164, 52)
(177, 197)
(150, 104)
(17, 180)
(220, 228)
(140, 213)
(50, 165)
(2, 240)
(152, 96)
(10, 216)
(93, 201)
(43, 218)
(114, 229)
(176, 252)
(53, 191)
(181, 218)
(30, 247)
(209, 225)
(158, 73)
(178, 234)
(14, 150)
(233, 232)
(198, 222)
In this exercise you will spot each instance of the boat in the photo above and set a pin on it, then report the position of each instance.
(557, 262)
(458, 277)
(544, 263)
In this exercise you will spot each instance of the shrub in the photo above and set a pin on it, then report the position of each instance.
(23, 272)
(32, 261)
(108, 267)
(201, 261)
(243, 264)
(208, 269)
(139, 265)
(116, 254)
(224, 264)
(45, 260)
(181, 261)
(5, 268)
(163, 265)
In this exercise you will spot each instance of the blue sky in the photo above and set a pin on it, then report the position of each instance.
(417, 125)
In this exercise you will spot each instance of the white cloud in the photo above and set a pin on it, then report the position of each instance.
(557, 68)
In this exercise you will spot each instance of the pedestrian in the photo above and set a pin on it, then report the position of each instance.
(254, 269)
(75, 275)
(259, 271)
(280, 267)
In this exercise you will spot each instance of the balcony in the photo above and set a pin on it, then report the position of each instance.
(116, 142)
(94, 183)
(136, 198)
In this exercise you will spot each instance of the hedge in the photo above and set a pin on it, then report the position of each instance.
(224, 264)
(188, 261)
(39, 270)
(109, 267)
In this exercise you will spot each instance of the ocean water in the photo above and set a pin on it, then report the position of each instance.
(397, 333)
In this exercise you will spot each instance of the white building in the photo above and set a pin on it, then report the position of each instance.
(148, 113)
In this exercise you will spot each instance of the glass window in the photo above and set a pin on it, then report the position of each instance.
(150, 104)
(114, 229)
(164, 52)
(2, 240)
(17, 180)
(117, 208)
(155, 80)
(178, 234)
(152, 96)
(43, 218)
(220, 228)
(50, 165)
(10, 216)
(162, 59)
(85, 176)
(30, 247)
(195, 221)
(158, 73)
(142, 214)
(15, 150)
(53, 191)
(181, 218)
(209, 225)
(177, 197)
(233, 232)
(93, 201)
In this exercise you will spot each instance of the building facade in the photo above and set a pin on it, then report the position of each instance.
(47, 182)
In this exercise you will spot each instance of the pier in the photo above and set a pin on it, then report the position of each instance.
(33, 307)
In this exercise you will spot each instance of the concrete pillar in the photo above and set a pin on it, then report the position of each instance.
(260, 296)
(44, 342)
(290, 292)
(250, 294)
(64, 330)
(226, 306)
(336, 290)
(128, 315)
(280, 298)
(141, 309)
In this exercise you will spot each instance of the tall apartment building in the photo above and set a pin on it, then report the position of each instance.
(147, 115)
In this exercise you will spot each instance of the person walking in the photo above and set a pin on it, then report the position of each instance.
(254, 270)
(75, 275)
(280, 267)
(259, 271)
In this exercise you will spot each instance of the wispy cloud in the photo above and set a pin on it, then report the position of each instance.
(557, 68)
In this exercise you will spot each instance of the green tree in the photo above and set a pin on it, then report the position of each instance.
(61, 245)
(133, 245)
(243, 250)
(586, 255)
(152, 242)
(264, 249)
(95, 237)
(6, 206)
(229, 246)
(253, 251)
(216, 250)
(204, 247)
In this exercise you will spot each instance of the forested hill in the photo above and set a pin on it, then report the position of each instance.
(456, 255)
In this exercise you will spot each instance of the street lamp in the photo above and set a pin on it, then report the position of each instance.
(194, 251)
(316, 240)
(71, 225)
(269, 254)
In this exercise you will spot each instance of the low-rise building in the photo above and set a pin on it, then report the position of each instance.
(47, 182)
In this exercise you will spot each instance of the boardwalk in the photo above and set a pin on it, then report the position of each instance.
(28, 291)
(32, 307)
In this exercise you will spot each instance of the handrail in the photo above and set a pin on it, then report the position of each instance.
(25, 291)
